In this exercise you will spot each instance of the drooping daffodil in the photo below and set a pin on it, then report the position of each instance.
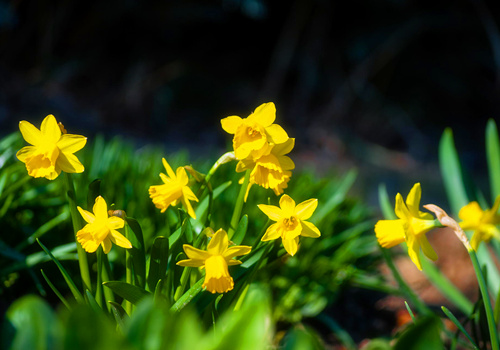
(290, 222)
(51, 149)
(411, 226)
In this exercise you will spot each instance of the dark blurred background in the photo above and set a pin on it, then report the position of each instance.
(371, 84)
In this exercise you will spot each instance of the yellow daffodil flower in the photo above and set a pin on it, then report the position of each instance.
(411, 226)
(174, 190)
(271, 170)
(51, 151)
(215, 260)
(483, 222)
(254, 134)
(101, 229)
(290, 222)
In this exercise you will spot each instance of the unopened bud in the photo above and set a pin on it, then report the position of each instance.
(118, 213)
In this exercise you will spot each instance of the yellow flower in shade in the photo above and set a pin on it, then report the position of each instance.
(254, 134)
(271, 170)
(215, 260)
(411, 226)
(483, 222)
(101, 229)
(51, 151)
(290, 222)
(174, 190)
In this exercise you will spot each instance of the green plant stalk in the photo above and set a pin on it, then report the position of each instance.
(98, 291)
(129, 276)
(77, 225)
(183, 282)
(486, 299)
(105, 277)
(238, 207)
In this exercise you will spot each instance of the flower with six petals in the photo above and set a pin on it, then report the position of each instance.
(101, 229)
(290, 222)
(174, 190)
(215, 260)
(483, 222)
(411, 226)
(51, 151)
(255, 134)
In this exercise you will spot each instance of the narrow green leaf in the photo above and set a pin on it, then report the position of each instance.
(119, 314)
(493, 158)
(158, 262)
(76, 293)
(452, 172)
(410, 312)
(127, 291)
(241, 230)
(92, 302)
(202, 207)
(457, 323)
(188, 296)
(137, 251)
(56, 291)
(385, 203)
(187, 231)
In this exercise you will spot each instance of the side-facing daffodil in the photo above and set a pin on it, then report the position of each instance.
(101, 229)
(290, 222)
(254, 134)
(483, 222)
(215, 260)
(271, 170)
(411, 226)
(174, 190)
(51, 150)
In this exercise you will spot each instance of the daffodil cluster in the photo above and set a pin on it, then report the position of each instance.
(262, 147)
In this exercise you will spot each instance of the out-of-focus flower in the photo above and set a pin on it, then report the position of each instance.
(215, 260)
(174, 190)
(101, 229)
(51, 151)
(272, 170)
(255, 134)
(411, 226)
(483, 222)
(290, 222)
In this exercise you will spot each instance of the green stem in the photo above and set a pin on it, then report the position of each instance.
(129, 277)
(99, 292)
(77, 225)
(407, 291)
(486, 300)
(183, 282)
(238, 207)
(105, 277)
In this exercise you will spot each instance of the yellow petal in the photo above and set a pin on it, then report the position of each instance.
(169, 170)
(87, 216)
(30, 133)
(234, 262)
(231, 252)
(188, 206)
(291, 245)
(287, 204)
(217, 278)
(413, 199)
(100, 209)
(106, 245)
(85, 238)
(69, 143)
(119, 239)
(218, 244)
(472, 212)
(69, 163)
(286, 163)
(188, 193)
(50, 130)
(414, 251)
(115, 222)
(401, 210)
(264, 115)
(276, 133)
(389, 233)
(25, 152)
(304, 210)
(231, 124)
(427, 248)
(274, 213)
(191, 262)
(309, 230)
(272, 232)
(195, 253)
(284, 148)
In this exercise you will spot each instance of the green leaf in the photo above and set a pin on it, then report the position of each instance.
(137, 252)
(55, 290)
(385, 203)
(158, 262)
(35, 324)
(119, 314)
(188, 296)
(423, 334)
(241, 230)
(452, 172)
(457, 323)
(301, 339)
(493, 158)
(127, 291)
(92, 302)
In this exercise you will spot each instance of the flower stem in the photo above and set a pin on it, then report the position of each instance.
(238, 207)
(129, 276)
(77, 225)
(99, 291)
(486, 300)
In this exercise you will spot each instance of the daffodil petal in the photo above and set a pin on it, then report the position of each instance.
(30, 133)
(50, 130)
(413, 199)
(84, 237)
(284, 148)
(414, 251)
(472, 212)
(188, 206)
(119, 239)
(218, 244)
(286, 163)
(309, 230)
(191, 262)
(427, 248)
(234, 262)
(264, 115)
(287, 204)
(106, 245)
(273, 212)
(25, 152)
(169, 170)
(305, 209)
(291, 245)
(277, 133)
(69, 143)
(115, 222)
(195, 253)
(231, 252)
(231, 124)
(401, 210)
(272, 232)
(389, 233)
(69, 163)
(87, 216)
